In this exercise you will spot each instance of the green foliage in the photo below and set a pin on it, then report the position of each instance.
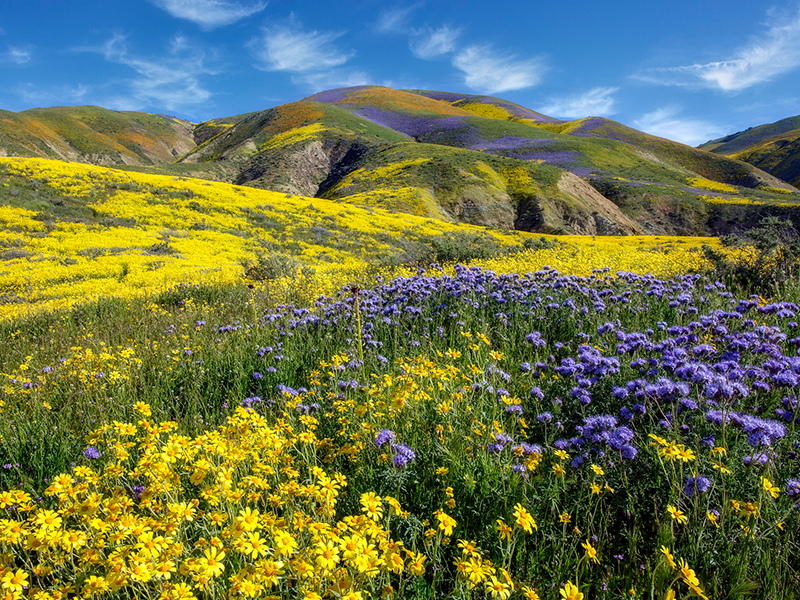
(773, 262)
(270, 266)
(199, 347)
(463, 247)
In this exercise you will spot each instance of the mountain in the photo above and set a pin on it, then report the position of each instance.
(774, 148)
(95, 135)
(454, 157)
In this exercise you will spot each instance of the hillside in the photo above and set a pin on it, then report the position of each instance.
(94, 135)
(451, 156)
(71, 232)
(774, 148)
(458, 158)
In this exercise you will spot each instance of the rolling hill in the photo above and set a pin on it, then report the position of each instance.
(95, 135)
(454, 157)
(774, 148)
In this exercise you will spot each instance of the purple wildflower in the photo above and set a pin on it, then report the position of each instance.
(402, 455)
(384, 436)
(699, 483)
(793, 488)
(91, 452)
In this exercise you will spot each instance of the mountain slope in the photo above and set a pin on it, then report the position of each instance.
(370, 146)
(499, 127)
(71, 231)
(448, 156)
(774, 148)
(94, 135)
(453, 157)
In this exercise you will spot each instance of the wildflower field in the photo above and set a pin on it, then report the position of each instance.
(586, 418)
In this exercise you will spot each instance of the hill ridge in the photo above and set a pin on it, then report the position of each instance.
(774, 147)
(450, 156)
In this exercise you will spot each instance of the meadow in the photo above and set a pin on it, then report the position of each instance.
(563, 418)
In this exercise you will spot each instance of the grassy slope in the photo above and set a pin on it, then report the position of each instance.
(358, 149)
(779, 156)
(665, 182)
(743, 140)
(96, 135)
(245, 137)
(336, 144)
(71, 232)
(774, 148)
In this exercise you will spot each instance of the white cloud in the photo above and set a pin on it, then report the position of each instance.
(775, 52)
(171, 81)
(597, 102)
(15, 56)
(60, 94)
(19, 56)
(312, 57)
(336, 78)
(209, 13)
(664, 122)
(395, 20)
(288, 48)
(427, 43)
(490, 72)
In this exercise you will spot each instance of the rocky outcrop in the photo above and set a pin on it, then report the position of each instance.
(596, 214)
(305, 170)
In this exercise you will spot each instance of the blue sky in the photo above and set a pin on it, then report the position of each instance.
(686, 70)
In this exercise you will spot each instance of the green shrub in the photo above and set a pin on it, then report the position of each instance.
(773, 260)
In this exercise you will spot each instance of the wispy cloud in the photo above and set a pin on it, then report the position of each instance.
(289, 48)
(15, 56)
(35, 95)
(312, 57)
(597, 102)
(209, 14)
(396, 19)
(428, 43)
(336, 78)
(489, 71)
(665, 122)
(171, 81)
(775, 52)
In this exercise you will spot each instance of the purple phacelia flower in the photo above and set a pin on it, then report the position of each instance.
(619, 392)
(759, 459)
(402, 455)
(535, 339)
(384, 436)
(700, 484)
(793, 488)
(251, 401)
(91, 452)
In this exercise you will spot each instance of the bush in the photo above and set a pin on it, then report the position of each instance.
(267, 267)
(769, 257)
